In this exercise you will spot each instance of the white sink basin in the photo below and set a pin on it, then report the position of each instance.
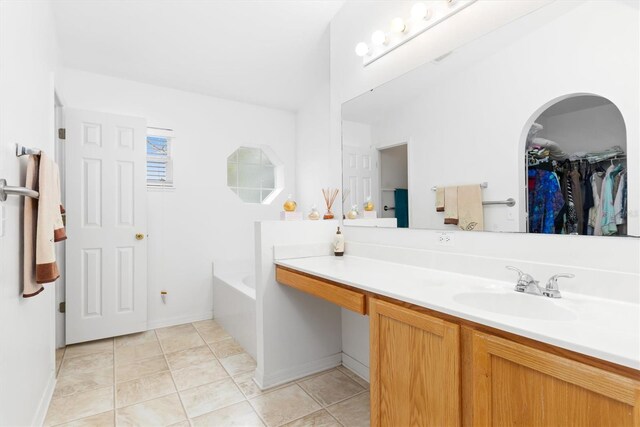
(516, 304)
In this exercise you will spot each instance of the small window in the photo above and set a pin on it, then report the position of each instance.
(159, 160)
(254, 175)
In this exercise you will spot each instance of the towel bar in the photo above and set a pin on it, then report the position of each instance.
(482, 185)
(21, 150)
(18, 191)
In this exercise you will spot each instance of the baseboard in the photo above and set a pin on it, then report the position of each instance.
(296, 372)
(45, 400)
(179, 320)
(355, 366)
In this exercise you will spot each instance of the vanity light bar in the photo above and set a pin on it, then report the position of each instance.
(401, 32)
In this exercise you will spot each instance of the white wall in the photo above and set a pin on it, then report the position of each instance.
(201, 220)
(298, 334)
(312, 150)
(349, 78)
(27, 337)
(591, 129)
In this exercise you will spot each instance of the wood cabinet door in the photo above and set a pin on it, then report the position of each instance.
(415, 368)
(517, 385)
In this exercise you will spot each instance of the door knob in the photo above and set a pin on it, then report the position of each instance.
(139, 236)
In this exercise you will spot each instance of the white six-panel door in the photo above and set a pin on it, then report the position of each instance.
(359, 174)
(106, 265)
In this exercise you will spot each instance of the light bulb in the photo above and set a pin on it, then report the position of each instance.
(420, 11)
(362, 49)
(378, 38)
(397, 25)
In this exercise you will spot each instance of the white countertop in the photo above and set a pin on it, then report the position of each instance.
(601, 328)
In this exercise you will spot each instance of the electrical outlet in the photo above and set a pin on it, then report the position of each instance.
(445, 239)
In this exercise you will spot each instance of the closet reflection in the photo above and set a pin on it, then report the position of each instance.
(576, 169)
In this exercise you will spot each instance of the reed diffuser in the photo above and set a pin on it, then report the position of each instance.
(330, 195)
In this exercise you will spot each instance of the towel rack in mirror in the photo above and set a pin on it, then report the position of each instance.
(18, 191)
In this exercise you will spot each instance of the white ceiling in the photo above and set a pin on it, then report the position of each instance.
(268, 52)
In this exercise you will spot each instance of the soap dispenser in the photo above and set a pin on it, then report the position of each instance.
(338, 244)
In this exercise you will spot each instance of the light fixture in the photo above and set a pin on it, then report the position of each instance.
(423, 17)
(378, 38)
(420, 11)
(397, 25)
(362, 49)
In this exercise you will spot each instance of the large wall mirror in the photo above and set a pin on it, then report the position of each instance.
(532, 128)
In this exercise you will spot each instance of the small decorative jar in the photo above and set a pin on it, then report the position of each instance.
(314, 214)
(353, 213)
(290, 204)
(368, 205)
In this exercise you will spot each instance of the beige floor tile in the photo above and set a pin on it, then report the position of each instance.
(172, 331)
(184, 423)
(213, 333)
(317, 419)
(106, 419)
(209, 397)
(86, 363)
(240, 414)
(189, 357)
(164, 411)
(331, 387)
(226, 348)
(284, 405)
(353, 412)
(59, 356)
(81, 405)
(91, 347)
(238, 363)
(142, 389)
(188, 338)
(203, 324)
(134, 353)
(70, 381)
(136, 339)
(141, 368)
(195, 375)
(348, 372)
(246, 384)
(249, 387)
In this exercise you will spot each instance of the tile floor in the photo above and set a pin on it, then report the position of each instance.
(193, 374)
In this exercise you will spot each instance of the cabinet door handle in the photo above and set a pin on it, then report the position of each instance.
(139, 236)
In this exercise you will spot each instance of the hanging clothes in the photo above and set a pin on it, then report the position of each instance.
(578, 203)
(545, 201)
(571, 222)
(595, 213)
(608, 221)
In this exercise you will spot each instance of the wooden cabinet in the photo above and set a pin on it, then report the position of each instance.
(338, 294)
(432, 369)
(517, 385)
(415, 376)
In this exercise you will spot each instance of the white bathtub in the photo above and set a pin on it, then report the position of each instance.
(234, 301)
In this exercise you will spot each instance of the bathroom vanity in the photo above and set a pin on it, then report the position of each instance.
(450, 349)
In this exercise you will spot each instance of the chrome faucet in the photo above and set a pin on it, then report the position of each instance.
(551, 289)
(527, 284)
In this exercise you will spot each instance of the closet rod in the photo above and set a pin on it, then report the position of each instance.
(18, 191)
